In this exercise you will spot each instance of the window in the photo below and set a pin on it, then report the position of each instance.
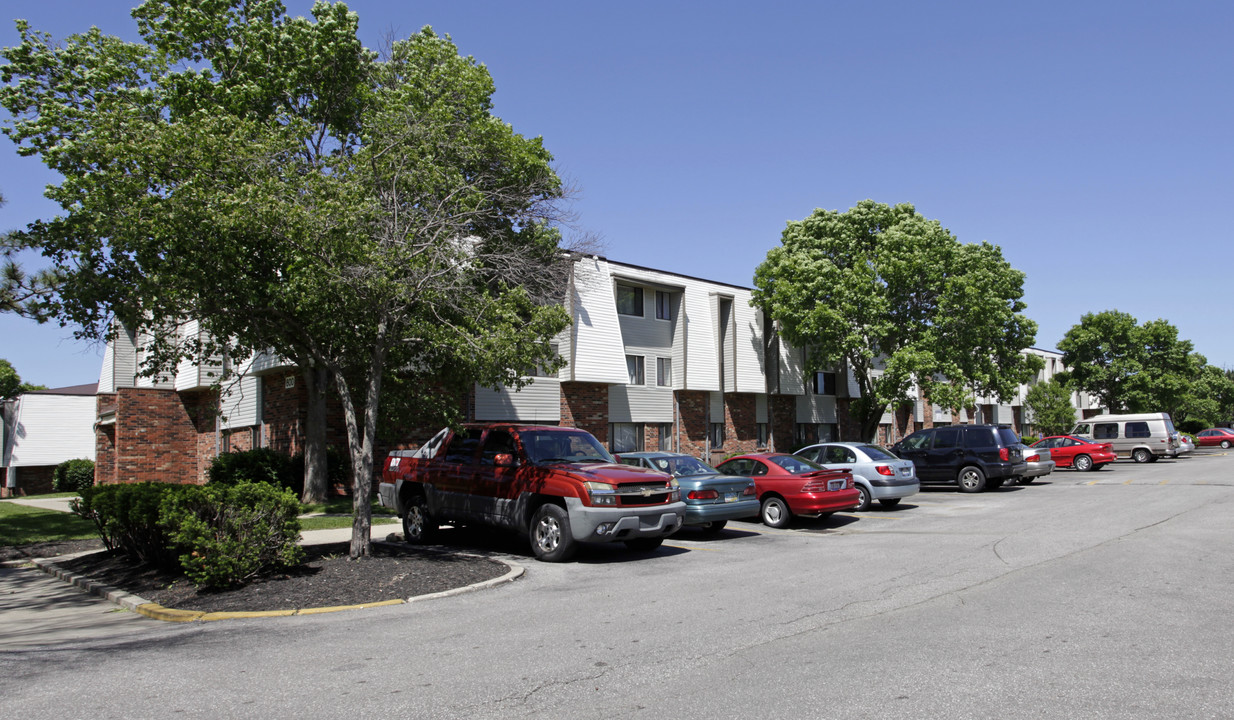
(543, 371)
(716, 435)
(497, 442)
(1105, 431)
(828, 432)
(807, 433)
(462, 447)
(825, 383)
(634, 366)
(666, 436)
(760, 430)
(1138, 430)
(664, 372)
(626, 437)
(664, 306)
(947, 438)
(629, 300)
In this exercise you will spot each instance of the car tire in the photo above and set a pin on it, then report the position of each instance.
(419, 528)
(1142, 455)
(996, 483)
(1083, 463)
(863, 503)
(1024, 481)
(971, 479)
(1098, 466)
(775, 513)
(889, 502)
(551, 540)
(1225, 444)
(645, 544)
(711, 528)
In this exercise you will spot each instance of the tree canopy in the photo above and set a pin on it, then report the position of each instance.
(273, 179)
(901, 302)
(1130, 367)
(1052, 412)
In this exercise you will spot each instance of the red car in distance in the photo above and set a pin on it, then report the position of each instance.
(788, 485)
(1215, 436)
(1077, 452)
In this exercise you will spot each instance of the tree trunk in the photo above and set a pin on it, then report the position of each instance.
(316, 473)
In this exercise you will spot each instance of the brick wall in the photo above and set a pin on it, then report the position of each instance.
(30, 480)
(740, 425)
(104, 443)
(783, 409)
(692, 422)
(585, 406)
(158, 435)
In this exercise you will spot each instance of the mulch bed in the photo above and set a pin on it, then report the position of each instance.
(326, 578)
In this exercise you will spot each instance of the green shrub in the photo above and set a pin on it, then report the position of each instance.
(338, 470)
(226, 535)
(127, 516)
(1029, 439)
(73, 475)
(257, 465)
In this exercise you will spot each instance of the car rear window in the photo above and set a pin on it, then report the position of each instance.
(1008, 436)
(875, 452)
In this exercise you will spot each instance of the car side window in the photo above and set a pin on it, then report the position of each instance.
(496, 443)
(849, 455)
(916, 441)
(758, 468)
(1138, 430)
(979, 437)
(735, 467)
(636, 462)
(947, 438)
(835, 454)
(1105, 431)
(462, 447)
(813, 454)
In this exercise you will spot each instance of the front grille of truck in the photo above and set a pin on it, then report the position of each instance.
(643, 494)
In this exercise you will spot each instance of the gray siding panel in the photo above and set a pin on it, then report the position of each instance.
(640, 404)
(597, 351)
(538, 402)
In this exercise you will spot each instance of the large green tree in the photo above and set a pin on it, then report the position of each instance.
(21, 292)
(1053, 413)
(1130, 367)
(900, 301)
(371, 220)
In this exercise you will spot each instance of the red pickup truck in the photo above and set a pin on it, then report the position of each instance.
(557, 485)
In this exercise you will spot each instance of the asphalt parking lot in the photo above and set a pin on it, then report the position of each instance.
(1104, 594)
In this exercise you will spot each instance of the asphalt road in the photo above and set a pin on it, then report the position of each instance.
(1088, 595)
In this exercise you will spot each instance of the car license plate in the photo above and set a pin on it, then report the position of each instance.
(905, 471)
(730, 497)
(835, 485)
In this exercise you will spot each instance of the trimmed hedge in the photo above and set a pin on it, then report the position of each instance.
(219, 536)
(73, 475)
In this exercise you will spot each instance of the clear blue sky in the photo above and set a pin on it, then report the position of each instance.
(1092, 141)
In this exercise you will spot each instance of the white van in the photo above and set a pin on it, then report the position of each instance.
(1143, 437)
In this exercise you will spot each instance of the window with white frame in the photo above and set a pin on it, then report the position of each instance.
(664, 305)
(629, 300)
(636, 370)
(666, 436)
(664, 372)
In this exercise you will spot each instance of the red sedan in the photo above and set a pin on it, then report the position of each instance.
(788, 485)
(1077, 452)
(1215, 436)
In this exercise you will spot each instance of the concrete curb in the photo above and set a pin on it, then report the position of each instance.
(141, 606)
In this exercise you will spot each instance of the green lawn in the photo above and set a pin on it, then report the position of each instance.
(21, 525)
(329, 522)
(338, 514)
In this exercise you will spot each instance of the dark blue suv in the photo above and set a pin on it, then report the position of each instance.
(974, 457)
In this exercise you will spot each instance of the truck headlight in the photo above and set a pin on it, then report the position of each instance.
(601, 493)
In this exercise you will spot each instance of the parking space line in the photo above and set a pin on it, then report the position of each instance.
(1092, 482)
(873, 517)
(691, 547)
(1128, 481)
(1163, 482)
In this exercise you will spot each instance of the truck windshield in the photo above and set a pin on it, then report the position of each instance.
(563, 446)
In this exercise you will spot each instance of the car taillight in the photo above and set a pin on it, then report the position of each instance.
(814, 486)
(749, 490)
(1032, 458)
(702, 495)
(885, 470)
(1004, 454)
(849, 485)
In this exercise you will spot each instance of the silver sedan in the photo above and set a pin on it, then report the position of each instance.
(877, 473)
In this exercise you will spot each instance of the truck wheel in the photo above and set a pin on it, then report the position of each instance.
(971, 479)
(1083, 463)
(419, 527)
(775, 513)
(644, 544)
(1142, 455)
(551, 540)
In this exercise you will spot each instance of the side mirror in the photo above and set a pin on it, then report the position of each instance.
(505, 460)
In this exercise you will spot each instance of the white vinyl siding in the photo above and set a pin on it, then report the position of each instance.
(539, 402)
(119, 363)
(193, 375)
(49, 429)
(239, 402)
(639, 404)
(816, 409)
(596, 351)
(267, 362)
(792, 376)
(749, 358)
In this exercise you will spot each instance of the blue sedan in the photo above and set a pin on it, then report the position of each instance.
(711, 498)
